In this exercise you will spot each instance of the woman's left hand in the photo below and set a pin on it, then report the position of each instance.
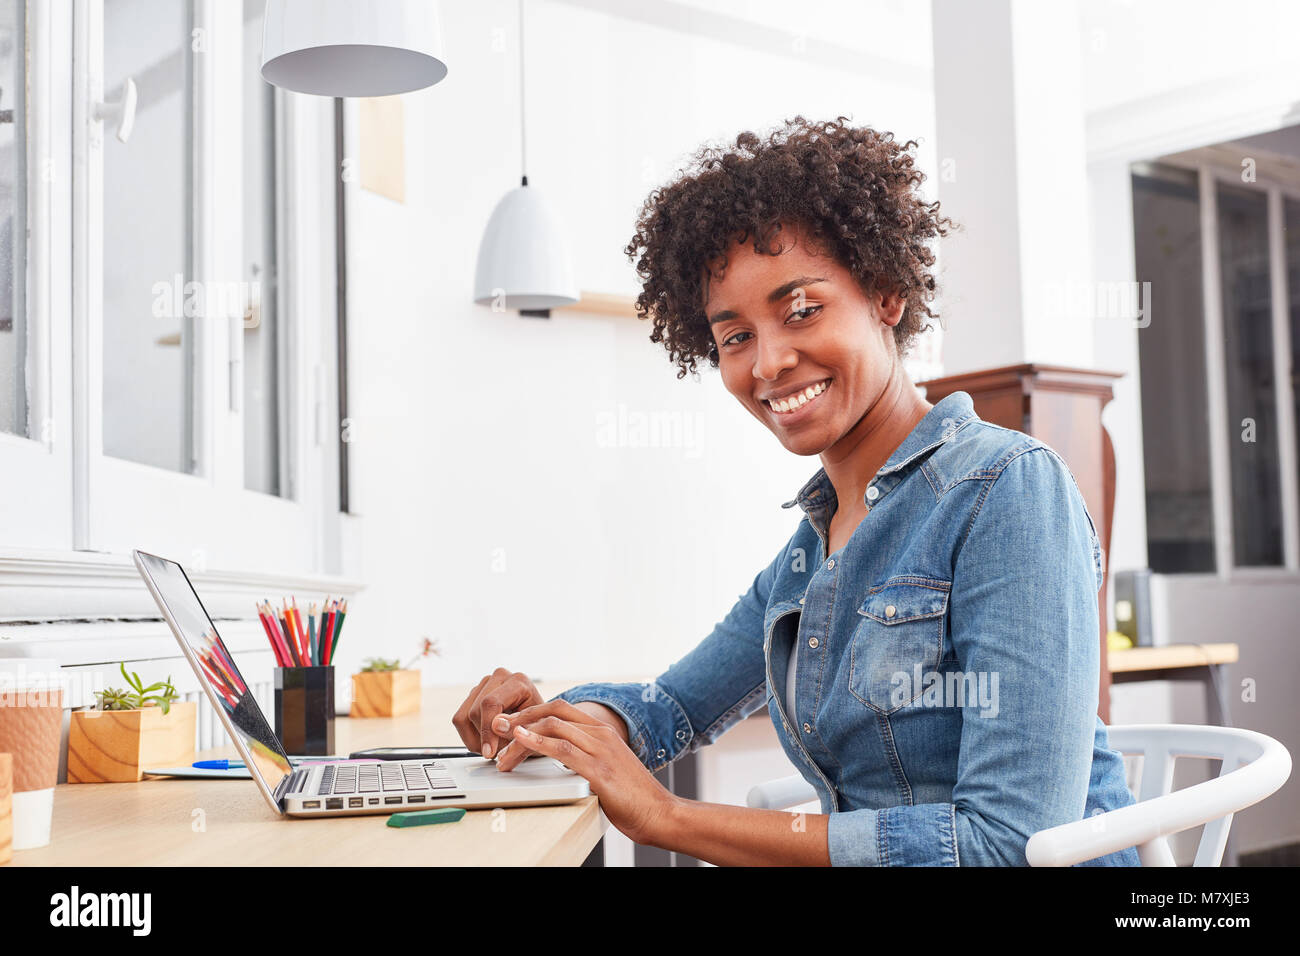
(633, 800)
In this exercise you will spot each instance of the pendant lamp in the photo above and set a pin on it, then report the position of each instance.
(523, 260)
(352, 47)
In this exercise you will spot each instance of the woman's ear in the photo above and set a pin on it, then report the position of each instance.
(889, 307)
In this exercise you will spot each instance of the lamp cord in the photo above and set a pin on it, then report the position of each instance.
(523, 113)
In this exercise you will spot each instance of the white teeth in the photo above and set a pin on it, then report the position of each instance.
(799, 399)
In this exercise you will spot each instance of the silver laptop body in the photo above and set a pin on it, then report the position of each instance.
(340, 788)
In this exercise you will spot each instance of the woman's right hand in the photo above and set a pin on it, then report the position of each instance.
(502, 691)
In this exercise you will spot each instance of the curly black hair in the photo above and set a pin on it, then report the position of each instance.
(850, 188)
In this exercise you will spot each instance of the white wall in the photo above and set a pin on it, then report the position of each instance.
(477, 439)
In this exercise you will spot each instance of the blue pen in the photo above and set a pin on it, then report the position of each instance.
(239, 764)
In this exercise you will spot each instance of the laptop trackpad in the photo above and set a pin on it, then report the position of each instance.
(485, 772)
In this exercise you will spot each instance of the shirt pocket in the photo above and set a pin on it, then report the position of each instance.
(900, 632)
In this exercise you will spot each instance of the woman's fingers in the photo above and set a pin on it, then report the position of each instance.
(498, 691)
(467, 729)
(511, 693)
(505, 723)
(566, 742)
(521, 748)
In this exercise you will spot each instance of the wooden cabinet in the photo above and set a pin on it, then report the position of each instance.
(1061, 407)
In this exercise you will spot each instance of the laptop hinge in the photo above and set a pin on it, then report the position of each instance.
(282, 788)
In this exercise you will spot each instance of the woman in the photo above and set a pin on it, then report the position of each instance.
(926, 641)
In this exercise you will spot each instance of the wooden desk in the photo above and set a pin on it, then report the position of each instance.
(1199, 662)
(167, 821)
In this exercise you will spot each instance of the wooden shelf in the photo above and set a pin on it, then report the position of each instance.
(604, 303)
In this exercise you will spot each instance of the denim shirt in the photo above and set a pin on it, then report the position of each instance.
(947, 674)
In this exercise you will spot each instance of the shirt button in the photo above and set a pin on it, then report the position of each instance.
(801, 600)
(812, 642)
(830, 565)
(681, 735)
(891, 611)
(660, 754)
(873, 493)
(807, 728)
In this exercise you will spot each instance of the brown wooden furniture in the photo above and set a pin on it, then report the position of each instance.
(1061, 407)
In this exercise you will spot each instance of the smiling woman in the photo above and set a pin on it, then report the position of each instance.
(926, 641)
(853, 190)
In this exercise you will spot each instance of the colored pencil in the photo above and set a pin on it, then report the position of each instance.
(294, 659)
(296, 639)
(275, 644)
(329, 635)
(302, 631)
(311, 632)
(338, 629)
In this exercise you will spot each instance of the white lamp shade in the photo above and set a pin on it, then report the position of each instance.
(352, 47)
(523, 260)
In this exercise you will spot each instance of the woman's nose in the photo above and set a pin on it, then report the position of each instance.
(772, 356)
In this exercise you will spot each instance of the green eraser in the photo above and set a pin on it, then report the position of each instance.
(422, 818)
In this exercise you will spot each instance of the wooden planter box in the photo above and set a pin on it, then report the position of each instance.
(115, 746)
(385, 693)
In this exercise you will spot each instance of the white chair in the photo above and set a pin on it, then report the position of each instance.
(1254, 766)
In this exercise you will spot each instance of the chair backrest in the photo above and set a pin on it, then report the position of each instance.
(1254, 766)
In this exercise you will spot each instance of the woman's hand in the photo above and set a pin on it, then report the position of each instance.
(502, 690)
(633, 800)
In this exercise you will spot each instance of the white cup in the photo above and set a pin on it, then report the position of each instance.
(31, 682)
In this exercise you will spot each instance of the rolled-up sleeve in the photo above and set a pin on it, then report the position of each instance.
(1023, 611)
(700, 697)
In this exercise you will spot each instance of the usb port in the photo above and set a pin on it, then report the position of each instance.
(356, 801)
(392, 800)
(419, 799)
(334, 803)
(374, 801)
(311, 805)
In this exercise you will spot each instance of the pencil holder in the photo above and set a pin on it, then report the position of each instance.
(304, 710)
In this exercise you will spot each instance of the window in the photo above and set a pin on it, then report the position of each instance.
(1171, 354)
(167, 298)
(13, 181)
(267, 465)
(149, 348)
(36, 435)
(1221, 250)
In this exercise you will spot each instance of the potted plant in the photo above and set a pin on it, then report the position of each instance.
(383, 688)
(128, 730)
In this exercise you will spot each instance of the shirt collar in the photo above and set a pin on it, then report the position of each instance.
(939, 424)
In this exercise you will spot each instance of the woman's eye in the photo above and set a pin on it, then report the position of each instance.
(803, 314)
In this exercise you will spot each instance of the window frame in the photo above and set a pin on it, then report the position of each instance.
(1222, 164)
(38, 467)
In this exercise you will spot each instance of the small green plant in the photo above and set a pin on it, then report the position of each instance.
(160, 694)
(375, 664)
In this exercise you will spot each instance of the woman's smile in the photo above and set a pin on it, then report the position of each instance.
(791, 406)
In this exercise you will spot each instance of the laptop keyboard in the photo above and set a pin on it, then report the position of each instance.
(345, 779)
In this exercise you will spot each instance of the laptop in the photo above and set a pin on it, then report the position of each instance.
(340, 788)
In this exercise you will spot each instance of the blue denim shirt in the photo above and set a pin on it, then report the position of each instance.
(947, 675)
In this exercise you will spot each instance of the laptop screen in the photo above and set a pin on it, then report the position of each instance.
(216, 669)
